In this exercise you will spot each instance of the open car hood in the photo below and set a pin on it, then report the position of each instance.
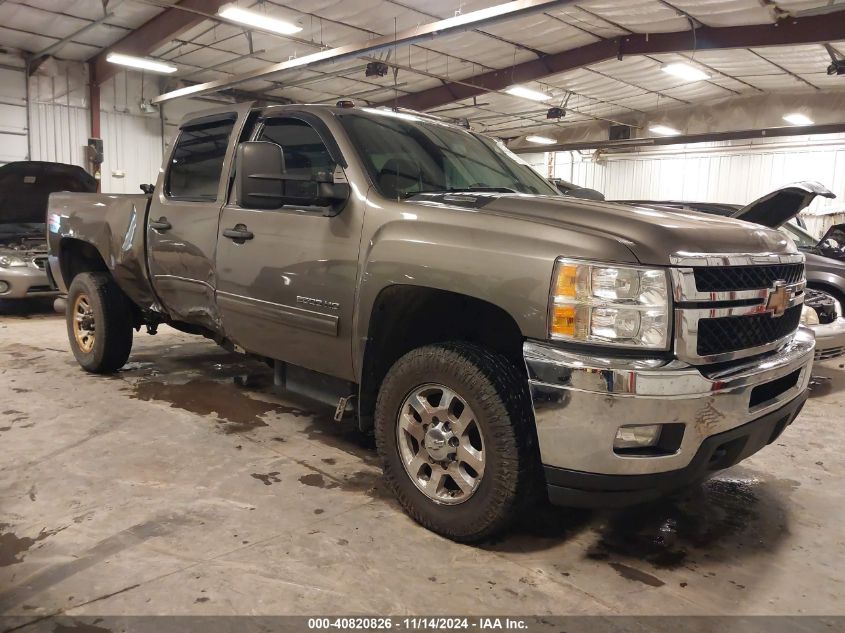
(776, 208)
(25, 186)
(836, 232)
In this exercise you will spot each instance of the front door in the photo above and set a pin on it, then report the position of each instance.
(183, 218)
(287, 292)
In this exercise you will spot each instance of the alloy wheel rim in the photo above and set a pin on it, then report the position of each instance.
(83, 324)
(440, 444)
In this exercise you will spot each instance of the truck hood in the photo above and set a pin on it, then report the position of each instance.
(26, 185)
(652, 235)
(776, 208)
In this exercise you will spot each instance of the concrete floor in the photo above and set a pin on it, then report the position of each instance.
(169, 489)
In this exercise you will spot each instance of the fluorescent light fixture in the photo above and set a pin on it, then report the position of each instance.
(796, 118)
(140, 62)
(685, 71)
(257, 20)
(663, 130)
(542, 140)
(527, 93)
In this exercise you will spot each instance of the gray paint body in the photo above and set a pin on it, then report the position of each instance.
(499, 248)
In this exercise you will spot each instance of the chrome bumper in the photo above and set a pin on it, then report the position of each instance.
(580, 402)
(830, 339)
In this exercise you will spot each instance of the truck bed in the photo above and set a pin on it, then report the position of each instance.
(114, 225)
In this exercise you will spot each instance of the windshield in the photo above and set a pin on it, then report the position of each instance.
(801, 238)
(407, 155)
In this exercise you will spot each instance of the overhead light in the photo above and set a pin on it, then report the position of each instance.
(140, 62)
(527, 93)
(541, 140)
(257, 20)
(796, 118)
(685, 71)
(664, 130)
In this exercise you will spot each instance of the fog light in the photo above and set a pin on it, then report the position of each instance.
(4, 287)
(639, 436)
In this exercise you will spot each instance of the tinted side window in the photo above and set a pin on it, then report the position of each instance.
(197, 160)
(304, 151)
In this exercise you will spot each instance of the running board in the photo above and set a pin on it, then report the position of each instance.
(322, 388)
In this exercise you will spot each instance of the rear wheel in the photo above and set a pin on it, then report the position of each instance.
(99, 324)
(455, 435)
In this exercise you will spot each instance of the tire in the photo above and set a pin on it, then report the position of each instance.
(497, 394)
(101, 309)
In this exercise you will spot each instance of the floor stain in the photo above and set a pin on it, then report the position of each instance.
(631, 573)
(13, 546)
(269, 479)
(236, 411)
(79, 627)
(317, 480)
(721, 519)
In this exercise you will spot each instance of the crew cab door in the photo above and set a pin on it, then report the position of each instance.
(286, 286)
(184, 213)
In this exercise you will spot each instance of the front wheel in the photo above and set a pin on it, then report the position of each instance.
(99, 324)
(455, 436)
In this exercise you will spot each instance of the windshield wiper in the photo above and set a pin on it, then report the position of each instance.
(470, 189)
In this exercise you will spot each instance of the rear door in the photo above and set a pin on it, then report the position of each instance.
(184, 214)
(288, 292)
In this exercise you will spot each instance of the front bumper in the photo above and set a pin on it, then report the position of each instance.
(581, 401)
(830, 339)
(20, 282)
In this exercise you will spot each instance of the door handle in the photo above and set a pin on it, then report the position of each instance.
(239, 233)
(161, 224)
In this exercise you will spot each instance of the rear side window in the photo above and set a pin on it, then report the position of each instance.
(197, 160)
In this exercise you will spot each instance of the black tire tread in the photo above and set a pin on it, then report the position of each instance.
(114, 324)
(502, 392)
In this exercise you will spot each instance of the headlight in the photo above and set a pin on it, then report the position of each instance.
(809, 316)
(625, 306)
(11, 261)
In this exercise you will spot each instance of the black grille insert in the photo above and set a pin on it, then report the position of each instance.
(729, 334)
(722, 279)
(771, 390)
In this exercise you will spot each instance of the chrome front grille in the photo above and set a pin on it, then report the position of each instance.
(733, 333)
(718, 279)
(730, 306)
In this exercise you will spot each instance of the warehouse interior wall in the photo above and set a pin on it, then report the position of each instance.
(734, 172)
(47, 118)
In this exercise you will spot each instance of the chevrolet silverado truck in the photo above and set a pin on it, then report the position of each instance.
(500, 340)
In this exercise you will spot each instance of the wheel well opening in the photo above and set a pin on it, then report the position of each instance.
(77, 257)
(407, 317)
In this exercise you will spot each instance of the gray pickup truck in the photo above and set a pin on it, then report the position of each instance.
(499, 339)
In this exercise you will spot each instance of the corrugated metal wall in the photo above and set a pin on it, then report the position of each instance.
(60, 125)
(13, 142)
(733, 172)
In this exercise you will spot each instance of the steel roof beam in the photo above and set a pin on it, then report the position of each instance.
(806, 30)
(456, 24)
(153, 34)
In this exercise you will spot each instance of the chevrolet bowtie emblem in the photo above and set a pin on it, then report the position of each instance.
(778, 299)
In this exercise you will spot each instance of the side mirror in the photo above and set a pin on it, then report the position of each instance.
(831, 244)
(264, 183)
